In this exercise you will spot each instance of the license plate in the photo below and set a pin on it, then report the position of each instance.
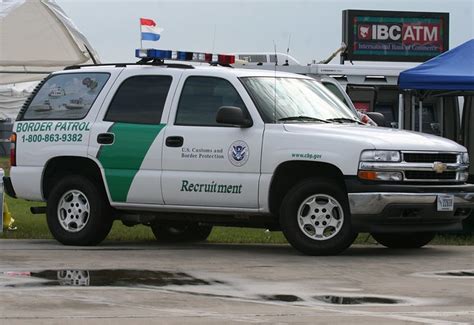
(445, 202)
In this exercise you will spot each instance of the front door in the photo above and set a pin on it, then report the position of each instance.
(206, 163)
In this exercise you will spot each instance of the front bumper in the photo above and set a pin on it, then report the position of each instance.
(376, 203)
(407, 208)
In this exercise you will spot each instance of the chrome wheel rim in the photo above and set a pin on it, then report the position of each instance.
(73, 278)
(73, 211)
(320, 217)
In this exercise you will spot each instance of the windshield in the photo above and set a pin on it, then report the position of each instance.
(284, 99)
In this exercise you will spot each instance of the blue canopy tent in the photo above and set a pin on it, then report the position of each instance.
(448, 74)
(452, 70)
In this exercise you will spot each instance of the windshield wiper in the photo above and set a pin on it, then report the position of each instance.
(343, 119)
(301, 118)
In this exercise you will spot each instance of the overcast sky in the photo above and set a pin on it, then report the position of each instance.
(241, 26)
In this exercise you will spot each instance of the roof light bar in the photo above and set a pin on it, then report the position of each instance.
(155, 54)
(225, 59)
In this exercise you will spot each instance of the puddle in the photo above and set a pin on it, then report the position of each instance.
(447, 274)
(184, 283)
(283, 298)
(353, 300)
(112, 278)
(456, 273)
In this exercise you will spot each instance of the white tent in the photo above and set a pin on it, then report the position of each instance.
(12, 98)
(36, 38)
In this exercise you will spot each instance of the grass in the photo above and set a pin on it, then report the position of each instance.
(31, 226)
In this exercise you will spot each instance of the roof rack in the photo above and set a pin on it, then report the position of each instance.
(141, 63)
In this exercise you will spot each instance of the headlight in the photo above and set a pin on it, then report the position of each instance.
(465, 158)
(380, 155)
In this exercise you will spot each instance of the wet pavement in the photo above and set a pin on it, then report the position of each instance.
(122, 282)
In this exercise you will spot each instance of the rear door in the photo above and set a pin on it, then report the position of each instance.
(56, 123)
(127, 138)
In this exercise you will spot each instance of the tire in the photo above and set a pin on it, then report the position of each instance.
(88, 222)
(318, 233)
(404, 240)
(180, 232)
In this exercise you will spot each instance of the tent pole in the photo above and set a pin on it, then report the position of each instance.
(420, 116)
(441, 116)
(401, 117)
(412, 112)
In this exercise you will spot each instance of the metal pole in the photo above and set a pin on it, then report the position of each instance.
(420, 116)
(140, 32)
(401, 115)
(441, 116)
(412, 112)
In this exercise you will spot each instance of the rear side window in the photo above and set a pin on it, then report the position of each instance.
(201, 99)
(66, 96)
(139, 99)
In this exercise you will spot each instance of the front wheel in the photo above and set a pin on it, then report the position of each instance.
(404, 240)
(180, 232)
(315, 218)
(78, 212)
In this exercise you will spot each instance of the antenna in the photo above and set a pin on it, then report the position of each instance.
(287, 51)
(288, 48)
(276, 57)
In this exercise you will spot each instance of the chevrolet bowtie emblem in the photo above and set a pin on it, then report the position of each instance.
(439, 167)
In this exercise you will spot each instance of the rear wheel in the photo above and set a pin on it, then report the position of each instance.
(404, 240)
(78, 212)
(315, 218)
(181, 232)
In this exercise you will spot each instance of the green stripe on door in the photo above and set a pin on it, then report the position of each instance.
(122, 159)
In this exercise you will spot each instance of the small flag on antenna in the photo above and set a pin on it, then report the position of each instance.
(149, 30)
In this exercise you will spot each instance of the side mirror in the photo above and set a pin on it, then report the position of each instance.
(232, 115)
(378, 118)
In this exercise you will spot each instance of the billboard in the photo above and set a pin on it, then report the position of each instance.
(394, 35)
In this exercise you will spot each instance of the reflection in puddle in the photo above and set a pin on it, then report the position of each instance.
(113, 278)
(341, 300)
(284, 298)
(456, 273)
(447, 274)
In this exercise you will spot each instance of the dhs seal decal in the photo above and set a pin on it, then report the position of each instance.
(238, 153)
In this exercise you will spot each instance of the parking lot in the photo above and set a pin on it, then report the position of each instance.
(216, 283)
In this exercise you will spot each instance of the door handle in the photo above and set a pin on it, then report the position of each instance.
(105, 138)
(174, 141)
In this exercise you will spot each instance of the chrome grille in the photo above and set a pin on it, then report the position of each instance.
(425, 175)
(428, 159)
(419, 157)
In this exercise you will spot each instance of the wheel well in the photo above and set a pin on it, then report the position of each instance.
(59, 167)
(290, 173)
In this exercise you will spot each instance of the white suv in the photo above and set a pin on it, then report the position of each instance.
(182, 148)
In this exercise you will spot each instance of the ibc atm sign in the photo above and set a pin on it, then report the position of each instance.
(394, 35)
